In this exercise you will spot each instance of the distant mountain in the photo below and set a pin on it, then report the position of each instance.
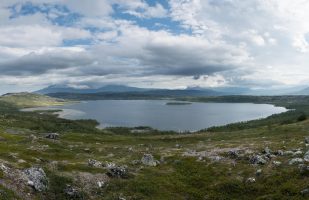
(107, 88)
(303, 92)
(124, 92)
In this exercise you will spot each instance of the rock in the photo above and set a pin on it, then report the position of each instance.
(296, 161)
(53, 136)
(36, 178)
(306, 156)
(4, 168)
(100, 184)
(280, 153)
(118, 172)
(297, 153)
(109, 165)
(286, 153)
(149, 160)
(94, 163)
(303, 168)
(277, 163)
(233, 153)
(72, 192)
(250, 180)
(307, 140)
(178, 146)
(135, 162)
(257, 159)
(267, 151)
(258, 172)
(305, 192)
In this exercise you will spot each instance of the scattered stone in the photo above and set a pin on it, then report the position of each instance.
(267, 151)
(4, 168)
(297, 153)
(72, 192)
(94, 163)
(149, 160)
(277, 163)
(280, 153)
(118, 172)
(101, 184)
(303, 168)
(258, 172)
(305, 192)
(135, 162)
(109, 165)
(306, 156)
(178, 146)
(257, 159)
(53, 136)
(36, 178)
(251, 180)
(307, 140)
(286, 153)
(233, 154)
(296, 161)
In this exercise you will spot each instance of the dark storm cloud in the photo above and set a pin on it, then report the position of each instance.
(34, 63)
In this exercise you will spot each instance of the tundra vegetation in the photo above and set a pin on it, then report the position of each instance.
(45, 157)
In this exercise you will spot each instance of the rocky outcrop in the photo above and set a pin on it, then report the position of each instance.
(118, 172)
(257, 159)
(36, 178)
(306, 156)
(149, 160)
(94, 163)
(52, 136)
(296, 161)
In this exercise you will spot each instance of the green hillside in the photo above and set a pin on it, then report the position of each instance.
(25, 100)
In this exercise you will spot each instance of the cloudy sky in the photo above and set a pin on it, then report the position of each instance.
(153, 43)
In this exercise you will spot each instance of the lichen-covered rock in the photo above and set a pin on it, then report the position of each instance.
(267, 151)
(94, 163)
(118, 172)
(296, 161)
(72, 193)
(257, 159)
(306, 156)
(307, 140)
(149, 160)
(276, 163)
(279, 153)
(53, 136)
(250, 180)
(36, 178)
(233, 153)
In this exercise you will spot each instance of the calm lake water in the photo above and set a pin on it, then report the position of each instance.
(159, 115)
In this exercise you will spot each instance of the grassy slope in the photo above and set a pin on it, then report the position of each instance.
(178, 177)
(25, 100)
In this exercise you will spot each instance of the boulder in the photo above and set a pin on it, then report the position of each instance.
(36, 178)
(53, 136)
(118, 172)
(257, 159)
(296, 161)
(149, 160)
(94, 163)
(258, 172)
(305, 192)
(306, 156)
(72, 193)
(297, 153)
(279, 153)
(250, 180)
(233, 153)
(276, 163)
(307, 140)
(267, 151)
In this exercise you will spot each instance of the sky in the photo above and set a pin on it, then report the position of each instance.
(257, 44)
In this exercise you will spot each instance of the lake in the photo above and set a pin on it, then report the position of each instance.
(164, 114)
